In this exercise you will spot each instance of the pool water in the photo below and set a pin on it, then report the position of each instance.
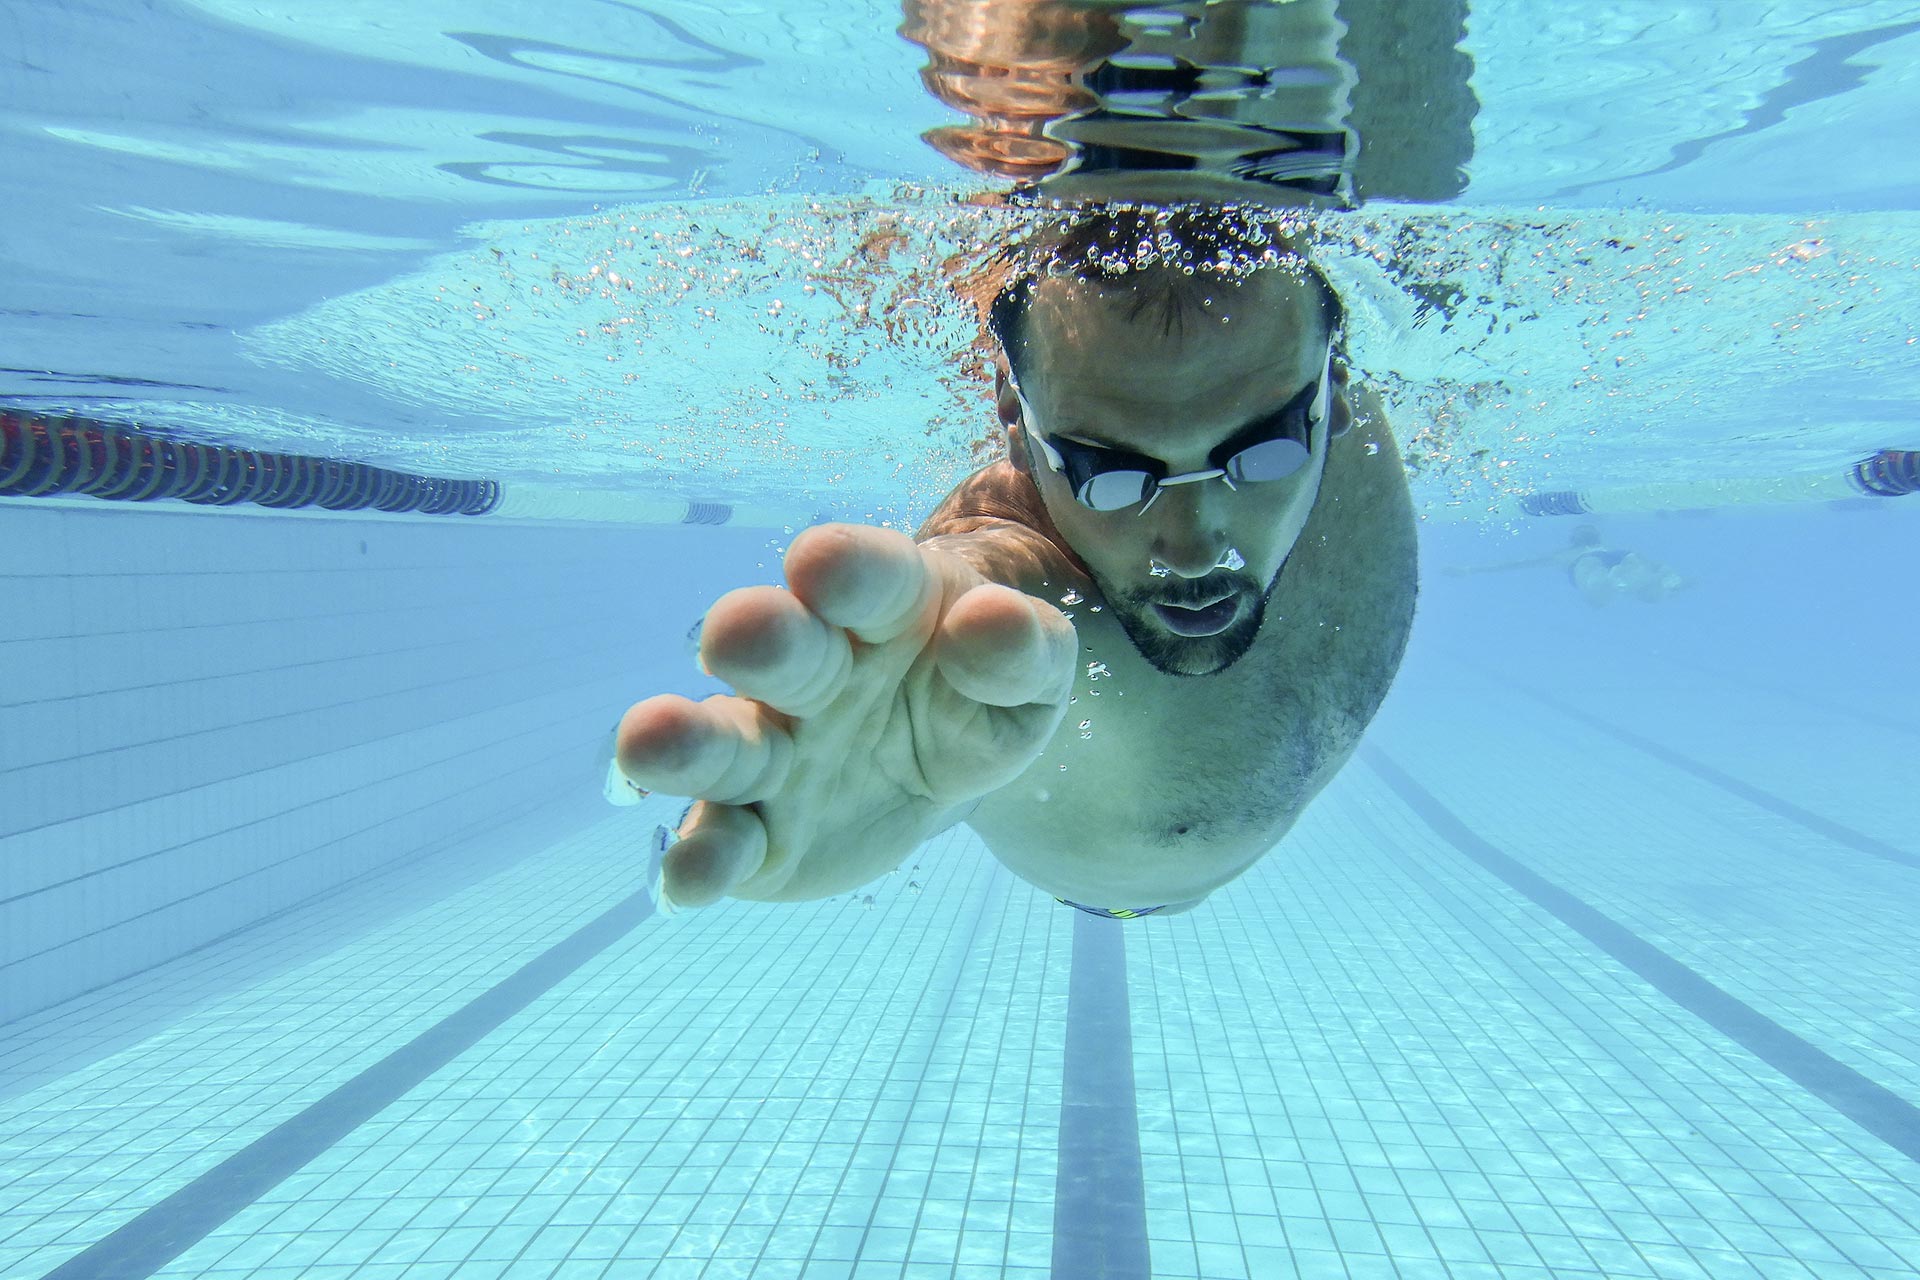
(322, 955)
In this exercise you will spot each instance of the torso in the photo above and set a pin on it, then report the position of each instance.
(1177, 785)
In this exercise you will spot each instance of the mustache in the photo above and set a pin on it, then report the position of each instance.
(1193, 592)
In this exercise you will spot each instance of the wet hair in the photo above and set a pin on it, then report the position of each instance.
(1167, 258)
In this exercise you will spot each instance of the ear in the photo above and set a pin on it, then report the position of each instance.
(1006, 403)
(1339, 398)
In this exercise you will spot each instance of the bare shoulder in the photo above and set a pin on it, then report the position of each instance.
(1365, 501)
(995, 521)
(995, 494)
(1348, 598)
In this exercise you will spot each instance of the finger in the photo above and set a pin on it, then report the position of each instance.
(871, 581)
(728, 749)
(1005, 648)
(773, 649)
(720, 846)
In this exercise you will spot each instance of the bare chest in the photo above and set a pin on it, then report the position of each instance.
(1158, 787)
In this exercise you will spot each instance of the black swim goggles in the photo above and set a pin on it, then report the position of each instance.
(1273, 448)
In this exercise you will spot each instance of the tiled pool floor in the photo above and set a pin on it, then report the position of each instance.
(1518, 998)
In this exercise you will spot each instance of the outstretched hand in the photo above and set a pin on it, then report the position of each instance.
(877, 695)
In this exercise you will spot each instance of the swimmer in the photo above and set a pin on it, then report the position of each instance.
(1601, 574)
(1128, 654)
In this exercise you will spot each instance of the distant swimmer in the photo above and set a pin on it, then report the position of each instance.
(1601, 574)
(1128, 654)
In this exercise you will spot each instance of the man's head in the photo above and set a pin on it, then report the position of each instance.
(1181, 343)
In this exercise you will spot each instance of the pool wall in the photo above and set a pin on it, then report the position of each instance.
(210, 718)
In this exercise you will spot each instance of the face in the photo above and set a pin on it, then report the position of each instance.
(1187, 575)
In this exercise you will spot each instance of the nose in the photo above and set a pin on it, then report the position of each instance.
(1190, 529)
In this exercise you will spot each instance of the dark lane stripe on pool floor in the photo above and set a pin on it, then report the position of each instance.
(1826, 828)
(1878, 1110)
(1099, 1194)
(174, 1225)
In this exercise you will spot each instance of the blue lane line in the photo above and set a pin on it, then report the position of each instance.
(1823, 705)
(1827, 828)
(1099, 1194)
(168, 1229)
(1878, 1110)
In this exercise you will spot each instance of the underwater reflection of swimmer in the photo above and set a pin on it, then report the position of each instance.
(1310, 102)
(1601, 574)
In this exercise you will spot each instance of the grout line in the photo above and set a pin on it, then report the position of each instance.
(62, 1038)
(1878, 1110)
(514, 637)
(1825, 706)
(167, 1229)
(267, 821)
(952, 970)
(1827, 828)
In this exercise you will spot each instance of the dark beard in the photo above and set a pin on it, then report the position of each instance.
(1191, 655)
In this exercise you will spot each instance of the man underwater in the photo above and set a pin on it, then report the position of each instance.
(1191, 472)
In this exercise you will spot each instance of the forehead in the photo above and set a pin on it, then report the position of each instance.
(1230, 349)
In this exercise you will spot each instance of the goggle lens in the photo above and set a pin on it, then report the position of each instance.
(1268, 460)
(1114, 490)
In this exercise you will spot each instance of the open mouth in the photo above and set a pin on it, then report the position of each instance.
(1206, 620)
